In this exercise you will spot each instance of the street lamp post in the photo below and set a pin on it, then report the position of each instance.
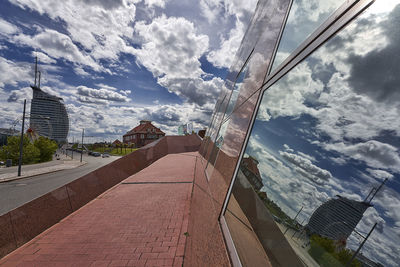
(83, 133)
(21, 144)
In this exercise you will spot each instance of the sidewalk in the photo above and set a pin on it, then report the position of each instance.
(10, 174)
(140, 222)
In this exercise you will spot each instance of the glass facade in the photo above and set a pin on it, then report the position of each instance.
(318, 180)
(48, 116)
(305, 16)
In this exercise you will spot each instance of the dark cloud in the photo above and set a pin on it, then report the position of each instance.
(98, 117)
(193, 90)
(106, 4)
(89, 100)
(103, 94)
(165, 116)
(306, 167)
(377, 73)
(13, 97)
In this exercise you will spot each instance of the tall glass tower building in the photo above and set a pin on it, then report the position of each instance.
(48, 116)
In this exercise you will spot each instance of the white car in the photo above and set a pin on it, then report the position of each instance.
(105, 155)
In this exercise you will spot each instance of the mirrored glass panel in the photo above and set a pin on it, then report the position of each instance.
(219, 141)
(305, 16)
(319, 182)
(236, 88)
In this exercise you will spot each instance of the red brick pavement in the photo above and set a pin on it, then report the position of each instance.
(140, 222)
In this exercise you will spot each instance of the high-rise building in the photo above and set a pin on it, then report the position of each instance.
(48, 115)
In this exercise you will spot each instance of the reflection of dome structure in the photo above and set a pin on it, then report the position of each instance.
(48, 116)
(337, 218)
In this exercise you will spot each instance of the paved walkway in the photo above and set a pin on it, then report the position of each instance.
(139, 222)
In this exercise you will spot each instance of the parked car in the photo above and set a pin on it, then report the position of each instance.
(105, 155)
(96, 154)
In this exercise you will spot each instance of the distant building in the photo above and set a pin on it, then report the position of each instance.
(337, 218)
(249, 167)
(48, 115)
(116, 143)
(142, 134)
(185, 129)
(5, 133)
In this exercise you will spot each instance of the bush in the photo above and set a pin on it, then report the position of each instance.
(46, 147)
(40, 151)
(31, 154)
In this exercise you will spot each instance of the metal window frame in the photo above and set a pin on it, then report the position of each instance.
(349, 10)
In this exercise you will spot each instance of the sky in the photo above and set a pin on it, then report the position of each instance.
(116, 62)
(331, 127)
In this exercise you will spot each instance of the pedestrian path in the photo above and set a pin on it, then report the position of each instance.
(140, 222)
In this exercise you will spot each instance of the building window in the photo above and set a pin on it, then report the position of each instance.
(142, 136)
(326, 139)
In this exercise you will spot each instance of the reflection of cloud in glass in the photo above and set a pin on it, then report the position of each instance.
(305, 16)
(330, 127)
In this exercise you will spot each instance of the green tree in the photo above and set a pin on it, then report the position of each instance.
(46, 147)
(11, 151)
(344, 257)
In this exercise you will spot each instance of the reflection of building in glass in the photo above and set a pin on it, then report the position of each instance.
(366, 262)
(48, 116)
(185, 129)
(250, 170)
(337, 218)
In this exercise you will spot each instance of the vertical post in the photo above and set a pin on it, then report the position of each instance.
(361, 245)
(72, 147)
(294, 219)
(83, 133)
(21, 144)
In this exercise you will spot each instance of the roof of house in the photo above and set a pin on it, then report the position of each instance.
(142, 128)
(117, 142)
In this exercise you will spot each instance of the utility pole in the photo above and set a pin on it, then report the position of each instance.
(287, 228)
(361, 245)
(21, 144)
(72, 147)
(83, 133)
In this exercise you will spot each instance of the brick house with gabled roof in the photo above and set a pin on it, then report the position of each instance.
(249, 167)
(142, 134)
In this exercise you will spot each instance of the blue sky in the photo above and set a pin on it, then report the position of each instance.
(117, 62)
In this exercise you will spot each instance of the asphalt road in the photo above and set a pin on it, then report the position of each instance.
(16, 193)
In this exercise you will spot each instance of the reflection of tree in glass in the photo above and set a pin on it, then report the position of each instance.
(330, 253)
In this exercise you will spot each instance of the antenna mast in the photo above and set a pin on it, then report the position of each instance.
(39, 79)
(35, 70)
(377, 190)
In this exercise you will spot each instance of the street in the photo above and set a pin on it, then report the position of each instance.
(16, 193)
